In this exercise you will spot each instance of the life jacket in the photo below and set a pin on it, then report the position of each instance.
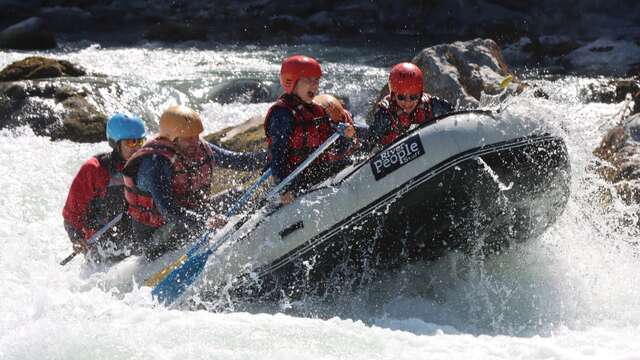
(311, 128)
(109, 202)
(400, 120)
(190, 184)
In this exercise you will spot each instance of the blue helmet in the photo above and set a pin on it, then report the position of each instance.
(121, 127)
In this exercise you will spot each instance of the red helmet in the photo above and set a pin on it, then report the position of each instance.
(295, 67)
(405, 78)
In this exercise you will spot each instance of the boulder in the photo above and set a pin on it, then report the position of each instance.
(615, 91)
(59, 111)
(605, 56)
(619, 159)
(460, 72)
(246, 91)
(248, 136)
(66, 19)
(170, 31)
(30, 34)
(36, 67)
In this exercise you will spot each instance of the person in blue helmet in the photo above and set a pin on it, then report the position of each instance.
(96, 195)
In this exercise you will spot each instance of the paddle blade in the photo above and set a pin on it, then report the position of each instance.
(171, 287)
(160, 275)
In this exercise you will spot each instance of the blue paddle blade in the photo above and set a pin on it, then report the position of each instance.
(170, 288)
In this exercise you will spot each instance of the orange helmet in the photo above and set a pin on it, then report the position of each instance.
(180, 121)
(333, 107)
(295, 67)
(405, 78)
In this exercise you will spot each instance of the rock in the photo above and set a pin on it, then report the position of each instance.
(175, 32)
(615, 91)
(246, 91)
(461, 71)
(37, 67)
(248, 136)
(66, 19)
(619, 153)
(620, 147)
(60, 111)
(30, 34)
(82, 121)
(322, 22)
(287, 24)
(604, 56)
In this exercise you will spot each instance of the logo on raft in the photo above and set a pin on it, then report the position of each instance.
(394, 158)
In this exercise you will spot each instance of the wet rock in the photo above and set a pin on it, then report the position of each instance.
(287, 24)
(246, 91)
(615, 91)
(82, 121)
(66, 19)
(59, 111)
(170, 31)
(36, 67)
(461, 71)
(322, 22)
(248, 136)
(619, 160)
(604, 56)
(30, 34)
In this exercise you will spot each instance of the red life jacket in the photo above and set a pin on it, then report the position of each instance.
(400, 120)
(311, 127)
(190, 184)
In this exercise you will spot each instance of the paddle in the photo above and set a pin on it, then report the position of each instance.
(160, 275)
(487, 101)
(178, 280)
(93, 239)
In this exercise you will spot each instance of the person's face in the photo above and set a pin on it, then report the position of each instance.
(307, 88)
(187, 145)
(407, 102)
(130, 146)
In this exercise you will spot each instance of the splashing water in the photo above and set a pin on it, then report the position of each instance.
(573, 293)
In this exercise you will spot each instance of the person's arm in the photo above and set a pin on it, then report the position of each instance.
(280, 128)
(238, 160)
(154, 176)
(440, 106)
(81, 193)
(381, 124)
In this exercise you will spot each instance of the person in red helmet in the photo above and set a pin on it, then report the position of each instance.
(295, 126)
(405, 105)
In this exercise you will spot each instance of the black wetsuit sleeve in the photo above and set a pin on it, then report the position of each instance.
(440, 106)
(381, 124)
(280, 128)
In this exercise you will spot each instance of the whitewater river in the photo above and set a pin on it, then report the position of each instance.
(574, 293)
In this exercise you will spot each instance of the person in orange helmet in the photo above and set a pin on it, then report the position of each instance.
(406, 104)
(295, 126)
(168, 181)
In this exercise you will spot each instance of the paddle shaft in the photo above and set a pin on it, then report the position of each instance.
(93, 238)
(159, 276)
(179, 279)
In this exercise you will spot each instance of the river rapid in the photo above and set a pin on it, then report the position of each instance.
(571, 294)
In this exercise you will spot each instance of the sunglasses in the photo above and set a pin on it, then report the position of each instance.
(408, 97)
(133, 142)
